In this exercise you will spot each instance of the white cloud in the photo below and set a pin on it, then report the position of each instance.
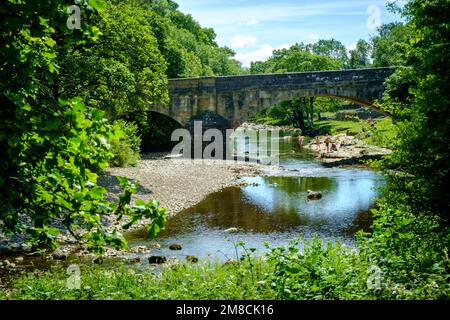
(240, 42)
(252, 22)
(263, 53)
(313, 36)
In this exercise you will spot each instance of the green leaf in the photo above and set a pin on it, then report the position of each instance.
(98, 5)
(97, 193)
(153, 231)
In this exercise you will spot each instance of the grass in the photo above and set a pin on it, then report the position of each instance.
(383, 136)
(318, 272)
(205, 281)
(334, 127)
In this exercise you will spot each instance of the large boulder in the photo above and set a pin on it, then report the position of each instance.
(314, 195)
(157, 259)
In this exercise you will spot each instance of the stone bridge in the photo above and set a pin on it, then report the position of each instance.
(234, 99)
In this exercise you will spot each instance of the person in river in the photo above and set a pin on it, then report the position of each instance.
(318, 142)
(328, 142)
(301, 140)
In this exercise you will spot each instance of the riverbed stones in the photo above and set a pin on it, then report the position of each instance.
(192, 259)
(232, 230)
(98, 260)
(59, 255)
(157, 259)
(139, 249)
(314, 195)
(34, 254)
(133, 260)
(175, 247)
(9, 265)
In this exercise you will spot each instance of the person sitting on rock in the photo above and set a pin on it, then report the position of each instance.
(334, 147)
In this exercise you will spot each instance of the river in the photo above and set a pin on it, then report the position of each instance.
(273, 209)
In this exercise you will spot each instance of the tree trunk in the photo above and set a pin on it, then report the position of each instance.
(311, 112)
(299, 119)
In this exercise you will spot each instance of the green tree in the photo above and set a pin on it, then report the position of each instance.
(333, 49)
(121, 73)
(391, 45)
(295, 59)
(54, 146)
(189, 49)
(360, 56)
(299, 58)
(419, 97)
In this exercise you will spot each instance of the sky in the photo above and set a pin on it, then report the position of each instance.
(254, 28)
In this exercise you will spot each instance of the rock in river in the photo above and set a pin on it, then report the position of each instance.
(157, 259)
(59, 255)
(191, 259)
(175, 246)
(314, 195)
(133, 260)
(98, 260)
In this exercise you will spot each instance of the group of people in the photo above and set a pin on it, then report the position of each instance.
(331, 146)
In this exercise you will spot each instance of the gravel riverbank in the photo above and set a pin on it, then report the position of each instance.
(179, 183)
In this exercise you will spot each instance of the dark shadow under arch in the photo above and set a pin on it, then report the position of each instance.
(157, 136)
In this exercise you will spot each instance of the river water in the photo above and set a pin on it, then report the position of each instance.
(273, 209)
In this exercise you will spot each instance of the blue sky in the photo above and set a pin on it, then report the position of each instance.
(254, 28)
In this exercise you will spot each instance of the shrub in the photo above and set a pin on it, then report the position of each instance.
(125, 145)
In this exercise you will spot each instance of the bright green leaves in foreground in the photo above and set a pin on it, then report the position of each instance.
(61, 184)
(54, 146)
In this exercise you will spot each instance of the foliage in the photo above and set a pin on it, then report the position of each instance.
(360, 56)
(419, 97)
(333, 49)
(53, 147)
(125, 144)
(123, 71)
(411, 249)
(297, 58)
(391, 44)
(177, 281)
(317, 271)
(189, 49)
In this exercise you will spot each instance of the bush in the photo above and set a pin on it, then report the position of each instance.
(412, 251)
(318, 271)
(125, 145)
